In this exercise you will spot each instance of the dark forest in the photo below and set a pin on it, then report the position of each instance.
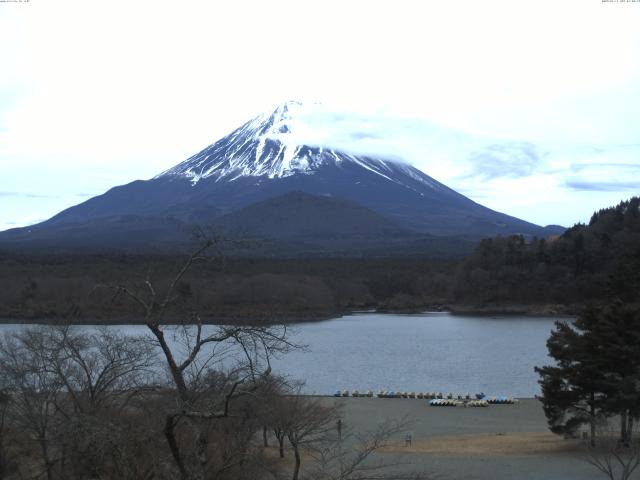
(589, 263)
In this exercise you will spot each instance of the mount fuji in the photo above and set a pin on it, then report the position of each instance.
(260, 180)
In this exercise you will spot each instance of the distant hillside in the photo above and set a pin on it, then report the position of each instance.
(588, 263)
(299, 214)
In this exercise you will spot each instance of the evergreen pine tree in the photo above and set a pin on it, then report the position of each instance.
(597, 372)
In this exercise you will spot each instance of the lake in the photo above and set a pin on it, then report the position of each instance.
(424, 352)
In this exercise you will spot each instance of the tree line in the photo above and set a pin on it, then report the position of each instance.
(592, 262)
(61, 288)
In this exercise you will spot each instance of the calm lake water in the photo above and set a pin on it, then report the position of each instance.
(425, 352)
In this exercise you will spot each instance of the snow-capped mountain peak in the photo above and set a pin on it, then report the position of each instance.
(268, 146)
(281, 122)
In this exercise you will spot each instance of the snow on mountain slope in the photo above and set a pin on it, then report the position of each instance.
(266, 147)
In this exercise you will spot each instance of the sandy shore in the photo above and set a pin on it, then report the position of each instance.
(492, 443)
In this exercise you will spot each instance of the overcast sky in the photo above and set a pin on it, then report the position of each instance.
(528, 107)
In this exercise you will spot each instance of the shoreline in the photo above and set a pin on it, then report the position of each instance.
(287, 318)
(542, 310)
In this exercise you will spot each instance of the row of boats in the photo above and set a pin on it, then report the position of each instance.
(437, 398)
(445, 402)
(484, 402)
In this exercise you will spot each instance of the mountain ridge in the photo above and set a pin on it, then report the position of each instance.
(261, 160)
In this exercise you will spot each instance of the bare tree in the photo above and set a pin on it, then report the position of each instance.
(614, 458)
(33, 390)
(199, 401)
(4, 456)
(101, 372)
(352, 456)
(279, 419)
(309, 425)
(100, 369)
(71, 392)
(273, 410)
